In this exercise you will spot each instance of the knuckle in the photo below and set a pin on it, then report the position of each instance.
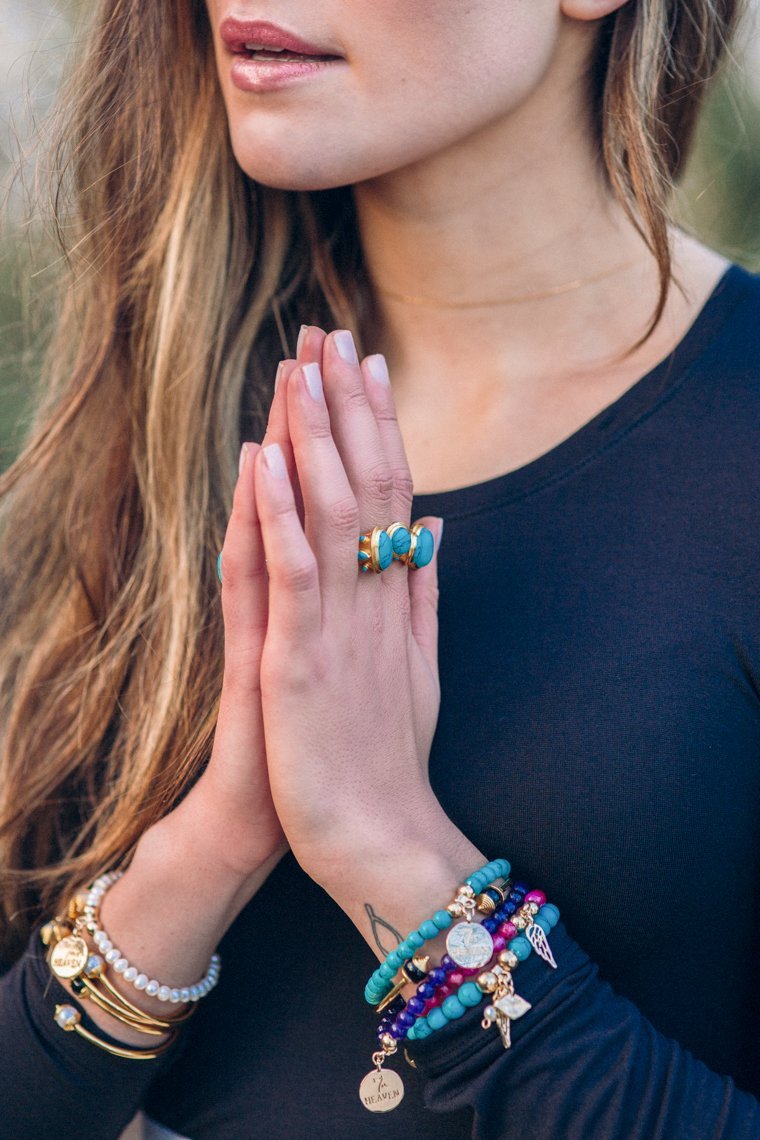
(403, 484)
(343, 517)
(355, 397)
(380, 481)
(301, 577)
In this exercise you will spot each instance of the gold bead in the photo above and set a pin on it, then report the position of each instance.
(518, 922)
(485, 904)
(532, 908)
(488, 981)
(51, 932)
(466, 890)
(455, 909)
(508, 959)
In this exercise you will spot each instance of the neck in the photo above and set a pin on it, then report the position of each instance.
(518, 209)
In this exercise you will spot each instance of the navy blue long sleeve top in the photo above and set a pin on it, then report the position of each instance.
(600, 727)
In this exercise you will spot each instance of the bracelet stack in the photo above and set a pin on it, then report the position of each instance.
(71, 959)
(518, 920)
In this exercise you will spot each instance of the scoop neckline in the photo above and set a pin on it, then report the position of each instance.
(604, 429)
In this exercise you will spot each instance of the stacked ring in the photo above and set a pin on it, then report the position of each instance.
(414, 546)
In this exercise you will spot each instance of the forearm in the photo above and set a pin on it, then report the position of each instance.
(167, 914)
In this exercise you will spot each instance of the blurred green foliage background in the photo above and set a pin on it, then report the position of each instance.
(719, 200)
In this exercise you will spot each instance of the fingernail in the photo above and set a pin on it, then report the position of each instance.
(344, 343)
(440, 536)
(275, 460)
(278, 375)
(241, 461)
(313, 380)
(378, 369)
(301, 336)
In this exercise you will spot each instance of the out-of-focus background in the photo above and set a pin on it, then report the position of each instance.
(720, 199)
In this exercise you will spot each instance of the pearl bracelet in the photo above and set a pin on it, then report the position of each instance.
(120, 964)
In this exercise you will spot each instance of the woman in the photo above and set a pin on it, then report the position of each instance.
(479, 195)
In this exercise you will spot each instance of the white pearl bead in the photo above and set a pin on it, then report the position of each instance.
(112, 955)
(184, 993)
(152, 987)
(120, 965)
(164, 993)
(141, 981)
(100, 937)
(174, 996)
(67, 1016)
(194, 993)
(130, 974)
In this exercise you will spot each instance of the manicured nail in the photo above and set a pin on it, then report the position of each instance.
(275, 461)
(278, 375)
(301, 336)
(313, 380)
(344, 343)
(440, 536)
(241, 461)
(378, 369)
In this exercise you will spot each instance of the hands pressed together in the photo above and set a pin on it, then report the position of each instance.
(331, 693)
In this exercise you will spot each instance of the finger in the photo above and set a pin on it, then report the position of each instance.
(423, 597)
(310, 345)
(356, 432)
(278, 431)
(295, 612)
(245, 589)
(380, 396)
(332, 522)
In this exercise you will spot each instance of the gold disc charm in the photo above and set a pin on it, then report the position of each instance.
(381, 1090)
(69, 957)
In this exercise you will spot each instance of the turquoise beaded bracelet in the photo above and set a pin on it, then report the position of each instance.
(470, 994)
(381, 981)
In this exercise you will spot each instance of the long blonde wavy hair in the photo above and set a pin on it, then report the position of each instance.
(185, 283)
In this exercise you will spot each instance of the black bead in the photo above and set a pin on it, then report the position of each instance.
(413, 973)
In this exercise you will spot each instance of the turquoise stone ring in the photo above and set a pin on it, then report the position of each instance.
(375, 551)
(423, 547)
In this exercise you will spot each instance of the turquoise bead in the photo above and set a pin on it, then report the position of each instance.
(219, 566)
(550, 912)
(425, 548)
(543, 923)
(452, 1007)
(437, 1018)
(384, 550)
(504, 867)
(410, 1034)
(469, 994)
(520, 947)
(401, 540)
(405, 949)
(415, 939)
(395, 959)
(422, 1029)
(387, 971)
(442, 919)
(428, 929)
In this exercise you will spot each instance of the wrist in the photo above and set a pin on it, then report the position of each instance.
(402, 882)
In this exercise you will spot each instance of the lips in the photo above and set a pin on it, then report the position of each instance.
(259, 39)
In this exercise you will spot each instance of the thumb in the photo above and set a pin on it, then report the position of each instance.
(423, 594)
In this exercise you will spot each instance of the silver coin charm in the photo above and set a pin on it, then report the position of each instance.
(381, 1090)
(469, 944)
(69, 957)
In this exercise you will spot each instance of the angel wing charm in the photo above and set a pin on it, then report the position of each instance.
(540, 944)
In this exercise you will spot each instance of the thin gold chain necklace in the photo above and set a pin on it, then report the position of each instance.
(556, 291)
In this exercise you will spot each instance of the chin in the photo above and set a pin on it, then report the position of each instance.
(292, 169)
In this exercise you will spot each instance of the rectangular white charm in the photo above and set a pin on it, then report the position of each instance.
(513, 1006)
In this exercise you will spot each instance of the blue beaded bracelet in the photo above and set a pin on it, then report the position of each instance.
(381, 982)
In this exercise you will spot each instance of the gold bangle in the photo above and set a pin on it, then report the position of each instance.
(87, 992)
(99, 972)
(69, 1019)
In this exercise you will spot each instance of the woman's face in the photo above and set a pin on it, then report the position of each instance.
(411, 78)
